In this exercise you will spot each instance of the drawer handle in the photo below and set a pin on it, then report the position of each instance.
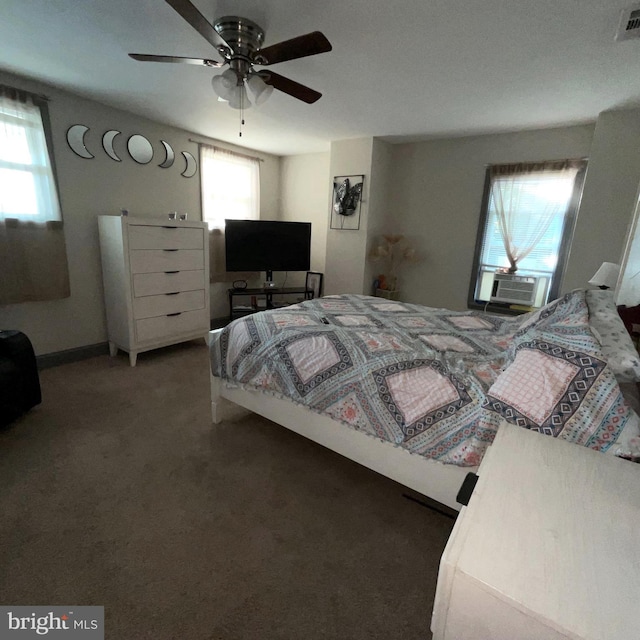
(173, 293)
(171, 272)
(174, 314)
(170, 249)
(168, 227)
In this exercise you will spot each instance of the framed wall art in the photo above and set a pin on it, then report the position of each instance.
(346, 201)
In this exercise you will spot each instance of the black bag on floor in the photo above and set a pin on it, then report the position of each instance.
(19, 381)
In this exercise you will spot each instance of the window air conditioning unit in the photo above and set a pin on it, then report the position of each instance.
(508, 287)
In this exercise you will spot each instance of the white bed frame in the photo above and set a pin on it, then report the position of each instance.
(437, 481)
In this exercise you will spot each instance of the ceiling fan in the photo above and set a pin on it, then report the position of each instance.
(239, 43)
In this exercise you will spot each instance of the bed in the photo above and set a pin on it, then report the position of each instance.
(418, 394)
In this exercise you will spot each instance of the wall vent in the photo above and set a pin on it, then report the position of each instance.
(629, 27)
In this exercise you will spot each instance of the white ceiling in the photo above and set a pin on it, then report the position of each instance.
(409, 70)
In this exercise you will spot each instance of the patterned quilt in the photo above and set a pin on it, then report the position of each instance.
(433, 381)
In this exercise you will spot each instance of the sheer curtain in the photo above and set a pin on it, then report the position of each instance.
(527, 199)
(230, 185)
(33, 259)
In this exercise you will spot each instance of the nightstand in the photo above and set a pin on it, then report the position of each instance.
(548, 547)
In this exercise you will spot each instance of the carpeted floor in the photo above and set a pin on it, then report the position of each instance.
(117, 491)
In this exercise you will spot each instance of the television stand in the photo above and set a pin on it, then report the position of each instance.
(243, 302)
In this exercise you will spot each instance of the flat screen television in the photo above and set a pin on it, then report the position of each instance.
(267, 245)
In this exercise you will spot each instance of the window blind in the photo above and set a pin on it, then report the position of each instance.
(27, 186)
(230, 186)
(533, 193)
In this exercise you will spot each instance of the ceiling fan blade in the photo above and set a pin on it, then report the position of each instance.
(291, 87)
(143, 57)
(300, 47)
(197, 21)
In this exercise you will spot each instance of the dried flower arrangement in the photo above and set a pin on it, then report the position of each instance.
(393, 250)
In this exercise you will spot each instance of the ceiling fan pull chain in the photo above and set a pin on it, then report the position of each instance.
(243, 97)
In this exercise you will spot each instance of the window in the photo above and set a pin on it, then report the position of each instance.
(33, 258)
(526, 227)
(27, 186)
(230, 186)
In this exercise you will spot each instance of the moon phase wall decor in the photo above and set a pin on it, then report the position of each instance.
(191, 167)
(140, 149)
(169, 155)
(107, 144)
(138, 146)
(75, 140)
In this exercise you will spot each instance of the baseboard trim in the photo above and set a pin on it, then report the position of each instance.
(72, 355)
(92, 350)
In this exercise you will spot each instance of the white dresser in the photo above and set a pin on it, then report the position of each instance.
(156, 282)
(548, 548)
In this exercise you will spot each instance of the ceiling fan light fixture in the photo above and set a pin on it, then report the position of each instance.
(239, 98)
(259, 88)
(224, 84)
(229, 78)
(239, 41)
(221, 89)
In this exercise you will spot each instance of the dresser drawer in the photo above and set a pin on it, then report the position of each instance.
(149, 329)
(151, 306)
(148, 261)
(153, 237)
(149, 284)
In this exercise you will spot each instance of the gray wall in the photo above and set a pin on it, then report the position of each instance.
(305, 189)
(381, 217)
(346, 249)
(609, 197)
(437, 189)
(89, 188)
